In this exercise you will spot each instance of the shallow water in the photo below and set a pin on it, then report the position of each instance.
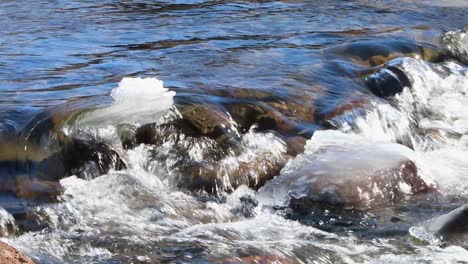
(95, 55)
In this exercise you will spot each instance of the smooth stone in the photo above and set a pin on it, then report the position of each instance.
(388, 81)
(451, 228)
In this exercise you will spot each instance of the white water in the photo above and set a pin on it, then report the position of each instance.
(456, 42)
(142, 211)
(136, 100)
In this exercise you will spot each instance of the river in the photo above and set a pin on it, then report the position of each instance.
(286, 82)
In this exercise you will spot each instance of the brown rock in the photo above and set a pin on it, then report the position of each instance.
(206, 118)
(295, 145)
(9, 255)
(254, 174)
(28, 188)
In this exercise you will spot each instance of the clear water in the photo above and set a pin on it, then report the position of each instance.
(52, 52)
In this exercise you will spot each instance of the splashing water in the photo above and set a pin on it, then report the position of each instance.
(141, 215)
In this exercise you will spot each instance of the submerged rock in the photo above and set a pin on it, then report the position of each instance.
(450, 228)
(253, 173)
(39, 179)
(41, 154)
(10, 255)
(378, 52)
(352, 103)
(86, 158)
(206, 142)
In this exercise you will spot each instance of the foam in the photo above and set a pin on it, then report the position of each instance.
(456, 42)
(136, 100)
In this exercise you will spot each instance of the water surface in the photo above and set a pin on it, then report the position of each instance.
(53, 52)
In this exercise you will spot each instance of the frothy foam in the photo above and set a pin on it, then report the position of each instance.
(136, 100)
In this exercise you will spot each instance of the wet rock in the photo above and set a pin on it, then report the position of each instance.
(451, 228)
(41, 148)
(456, 42)
(227, 177)
(204, 163)
(295, 145)
(388, 81)
(127, 135)
(286, 118)
(154, 134)
(257, 260)
(51, 121)
(9, 255)
(199, 125)
(35, 189)
(377, 52)
(196, 121)
(281, 111)
(38, 179)
(76, 156)
(208, 120)
(347, 105)
(342, 169)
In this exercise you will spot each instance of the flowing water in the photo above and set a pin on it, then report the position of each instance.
(96, 67)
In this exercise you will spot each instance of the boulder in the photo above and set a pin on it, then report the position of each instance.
(343, 169)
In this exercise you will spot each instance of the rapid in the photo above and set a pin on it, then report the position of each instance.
(233, 131)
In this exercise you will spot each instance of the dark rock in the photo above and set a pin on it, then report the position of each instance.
(295, 145)
(388, 81)
(452, 227)
(196, 121)
(75, 154)
(127, 135)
